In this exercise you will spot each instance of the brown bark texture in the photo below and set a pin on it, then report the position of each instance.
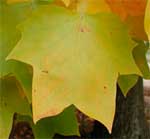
(130, 120)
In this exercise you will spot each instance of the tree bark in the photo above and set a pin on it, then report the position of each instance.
(130, 121)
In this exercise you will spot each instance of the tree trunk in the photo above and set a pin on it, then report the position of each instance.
(130, 121)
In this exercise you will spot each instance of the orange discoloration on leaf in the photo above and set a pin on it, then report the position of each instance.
(125, 8)
(136, 27)
(132, 13)
(21, 91)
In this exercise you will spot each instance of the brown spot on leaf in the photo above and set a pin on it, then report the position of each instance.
(83, 29)
(105, 87)
(45, 71)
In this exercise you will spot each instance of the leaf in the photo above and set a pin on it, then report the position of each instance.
(126, 82)
(139, 54)
(12, 101)
(64, 124)
(87, 6)
(125, 8)
(136, 27)
(147, 19)
(132, 13)
(69, 64)
(11, 16)
(5, 129)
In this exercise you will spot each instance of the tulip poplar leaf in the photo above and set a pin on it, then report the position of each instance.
(76, 59)
(126, 82)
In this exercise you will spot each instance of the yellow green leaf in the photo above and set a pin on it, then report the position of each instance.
(11, 15)
(11, 101)
(65, 124)
(126, 82)
(139, 54)
(76, 60)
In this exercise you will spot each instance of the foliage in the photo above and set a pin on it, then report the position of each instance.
(55, 53)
